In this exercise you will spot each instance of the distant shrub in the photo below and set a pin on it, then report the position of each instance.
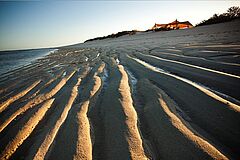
(232, 13)
(119, 34)
(162, 29)
(149, 30)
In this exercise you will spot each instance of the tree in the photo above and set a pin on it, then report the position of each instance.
(234, 11)
(215, 16)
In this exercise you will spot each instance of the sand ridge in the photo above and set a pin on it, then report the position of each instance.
(154, 95)
(26, 130)
(37, 100)
(134, 139)
(171, 122)
(42, 151)
(206, 91)
(84, 142)
(5, 104)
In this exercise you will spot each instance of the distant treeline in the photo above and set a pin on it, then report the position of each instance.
(232, 13)
(119, 34)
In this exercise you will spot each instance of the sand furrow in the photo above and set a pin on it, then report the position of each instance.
(10, 88)
(37, 100)
(47, 84)
(148, 146)
(97, 128)
(121, 136)
(26, 130)
(3, 90)
(203, 144)
(43, 149)
(5, 104)
(15, 72)
(212, 118)
(134, 138)
(21, 80)
(173, 138)
(84, 143)
(200, 61)
(19, 84)
(24, 74)
(76, 125)
(113, 143)
(204, 90)
(217, 82)
(193, 66)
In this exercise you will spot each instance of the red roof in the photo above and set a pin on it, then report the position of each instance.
(186, 22)
(175, 22)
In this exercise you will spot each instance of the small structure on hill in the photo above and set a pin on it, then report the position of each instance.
(173, 25)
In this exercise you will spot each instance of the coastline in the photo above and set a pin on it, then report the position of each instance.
(12, 58)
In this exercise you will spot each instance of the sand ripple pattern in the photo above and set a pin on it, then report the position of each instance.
(157, 95)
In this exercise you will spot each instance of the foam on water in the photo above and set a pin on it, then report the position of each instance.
(105, 75)
(211, 51)
(96, 57)
(117, 60)
(133, 79)
(64, 74)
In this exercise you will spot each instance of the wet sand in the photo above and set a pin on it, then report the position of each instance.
(164, 95)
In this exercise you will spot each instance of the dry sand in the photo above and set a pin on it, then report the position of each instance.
(164, 95)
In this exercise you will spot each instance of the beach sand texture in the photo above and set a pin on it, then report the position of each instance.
(171, 95)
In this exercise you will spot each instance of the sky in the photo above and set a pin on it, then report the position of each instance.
(40, 24)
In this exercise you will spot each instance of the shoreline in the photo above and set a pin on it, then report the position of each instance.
(24, 64)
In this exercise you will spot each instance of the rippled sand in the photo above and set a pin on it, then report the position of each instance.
(164, 95)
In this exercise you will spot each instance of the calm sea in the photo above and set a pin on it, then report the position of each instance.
(10, 60)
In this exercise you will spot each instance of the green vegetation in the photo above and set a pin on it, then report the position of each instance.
(232, 13)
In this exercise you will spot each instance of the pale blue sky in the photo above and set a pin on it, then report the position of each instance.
(55, 23)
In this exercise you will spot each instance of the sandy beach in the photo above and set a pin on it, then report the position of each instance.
(171, 95)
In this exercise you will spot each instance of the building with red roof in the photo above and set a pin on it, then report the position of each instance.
(173, 25)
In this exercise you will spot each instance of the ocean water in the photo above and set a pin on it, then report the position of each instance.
(10, 60)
